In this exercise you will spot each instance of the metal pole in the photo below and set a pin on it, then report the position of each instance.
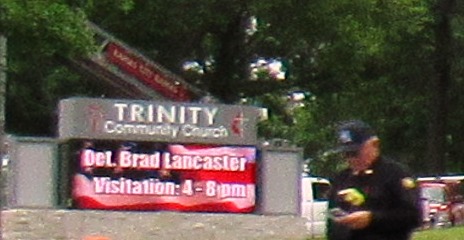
(3, 68)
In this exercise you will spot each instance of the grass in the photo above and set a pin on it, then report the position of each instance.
(453, 233)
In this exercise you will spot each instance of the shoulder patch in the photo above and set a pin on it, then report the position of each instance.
(408, 183)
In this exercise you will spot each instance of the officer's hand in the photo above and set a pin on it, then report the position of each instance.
(356, 220)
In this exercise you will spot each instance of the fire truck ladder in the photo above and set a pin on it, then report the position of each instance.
(132, 74)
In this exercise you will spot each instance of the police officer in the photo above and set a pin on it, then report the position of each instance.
(375, 197)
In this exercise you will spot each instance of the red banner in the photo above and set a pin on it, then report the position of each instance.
(146, 72)
(153, 176)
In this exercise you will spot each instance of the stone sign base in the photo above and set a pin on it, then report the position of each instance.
(51, 224)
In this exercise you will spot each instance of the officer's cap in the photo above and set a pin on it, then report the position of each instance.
(352, 134)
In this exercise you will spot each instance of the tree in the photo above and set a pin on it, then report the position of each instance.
(441, 84)
(360, 59)
(42, 35)
(368, 59)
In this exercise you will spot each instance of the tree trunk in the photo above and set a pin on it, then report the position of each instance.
(232, 61)
(436, 151)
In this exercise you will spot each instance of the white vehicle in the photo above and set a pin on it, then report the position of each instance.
(314, 203)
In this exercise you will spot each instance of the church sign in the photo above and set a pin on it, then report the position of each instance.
(144, 155)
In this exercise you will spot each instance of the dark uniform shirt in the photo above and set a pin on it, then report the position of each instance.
(390, 194)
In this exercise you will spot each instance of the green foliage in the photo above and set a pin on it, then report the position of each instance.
(42, 35)
(362, 60)
(51, 27)
(366, 59)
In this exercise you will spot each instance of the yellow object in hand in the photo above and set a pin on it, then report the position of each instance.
(353, 196)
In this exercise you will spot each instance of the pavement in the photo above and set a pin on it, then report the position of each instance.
(59, 224)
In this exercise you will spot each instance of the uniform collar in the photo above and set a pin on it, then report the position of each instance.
(368, 171)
